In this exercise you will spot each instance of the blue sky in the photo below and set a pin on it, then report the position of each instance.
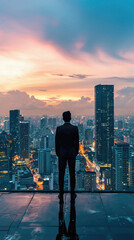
(57, 51)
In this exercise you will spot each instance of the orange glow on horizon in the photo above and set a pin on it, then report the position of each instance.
(31, 65)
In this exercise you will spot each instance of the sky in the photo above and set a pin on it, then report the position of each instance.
(53, 53)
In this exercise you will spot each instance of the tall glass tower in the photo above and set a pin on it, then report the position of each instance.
(104, 131)
(104, 123)
(14, 129)
(24, 139)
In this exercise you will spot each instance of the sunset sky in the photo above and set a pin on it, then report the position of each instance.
(53, 53)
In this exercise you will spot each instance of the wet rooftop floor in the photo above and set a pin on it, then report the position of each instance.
(39, 216)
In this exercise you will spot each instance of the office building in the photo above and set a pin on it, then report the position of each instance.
(44, 142)
(43, 123)
(81, 130)
(24, 139)
(14, 129)
(104, 123)
(44, 161)
(89, 181)
(120, 124)
(52, 123)
(5, 161)
(88, 136)
(123, 166)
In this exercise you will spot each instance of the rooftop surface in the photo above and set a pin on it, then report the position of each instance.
(38, 216)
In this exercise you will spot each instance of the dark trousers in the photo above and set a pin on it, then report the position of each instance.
(62, 166)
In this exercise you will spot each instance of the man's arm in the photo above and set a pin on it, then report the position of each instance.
(77, 140)
(57, 141)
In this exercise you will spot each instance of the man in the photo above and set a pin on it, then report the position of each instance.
(67, 148)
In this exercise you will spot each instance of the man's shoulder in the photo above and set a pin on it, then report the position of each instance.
(74, 126)
(59, 127)
(64, 126)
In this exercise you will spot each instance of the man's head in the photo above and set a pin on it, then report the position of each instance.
(66, 116)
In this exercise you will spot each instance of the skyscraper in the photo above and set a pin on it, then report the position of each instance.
(43, 123)
(44, 142)
(24, 139)
(44, 161)
(88, 136)
(104, 131)
(123, 166)
(5, 161)
(104, 123)
(14, 129)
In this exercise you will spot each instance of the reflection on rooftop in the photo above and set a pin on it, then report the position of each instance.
(35, 215)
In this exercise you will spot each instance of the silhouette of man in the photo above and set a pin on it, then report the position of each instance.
(67, 148)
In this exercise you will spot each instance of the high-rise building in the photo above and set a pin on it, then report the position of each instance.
(104, 123)
(44, 161)
(132, 171)
(43, 123)
(122, 162)
(24, 139)
(81, 130)
(90, 181)
(21, 117)
(52, 122)
(44, 142)
(5, 161)
(6, 126)
(120, 124)
(89, 122)
(14, 129)
(88, 136)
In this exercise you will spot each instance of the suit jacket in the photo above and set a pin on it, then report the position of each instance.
(67, 141)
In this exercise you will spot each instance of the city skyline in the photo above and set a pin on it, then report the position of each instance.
(51, 59)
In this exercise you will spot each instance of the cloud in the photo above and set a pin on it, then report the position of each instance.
(128, 91)
(32, 106)
(29, 105)
(125, 79)
(42, 90)
(83, 106)
(74, 25)
(124, 102)
(20, 100)
(79, 76)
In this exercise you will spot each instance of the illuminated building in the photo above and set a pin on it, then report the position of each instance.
(104, 123)
(123, 166)
(43, 123)
(44, 161)
(80, 180)
(5, 161)
(89, 136)
(21, 117)
(132, 171)
(90, 123)
(80, 170)
(14, 129)
(89, 181)
(44, 142)
(106, 175)
(81, 130)
(24, 139)
(6, 125)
